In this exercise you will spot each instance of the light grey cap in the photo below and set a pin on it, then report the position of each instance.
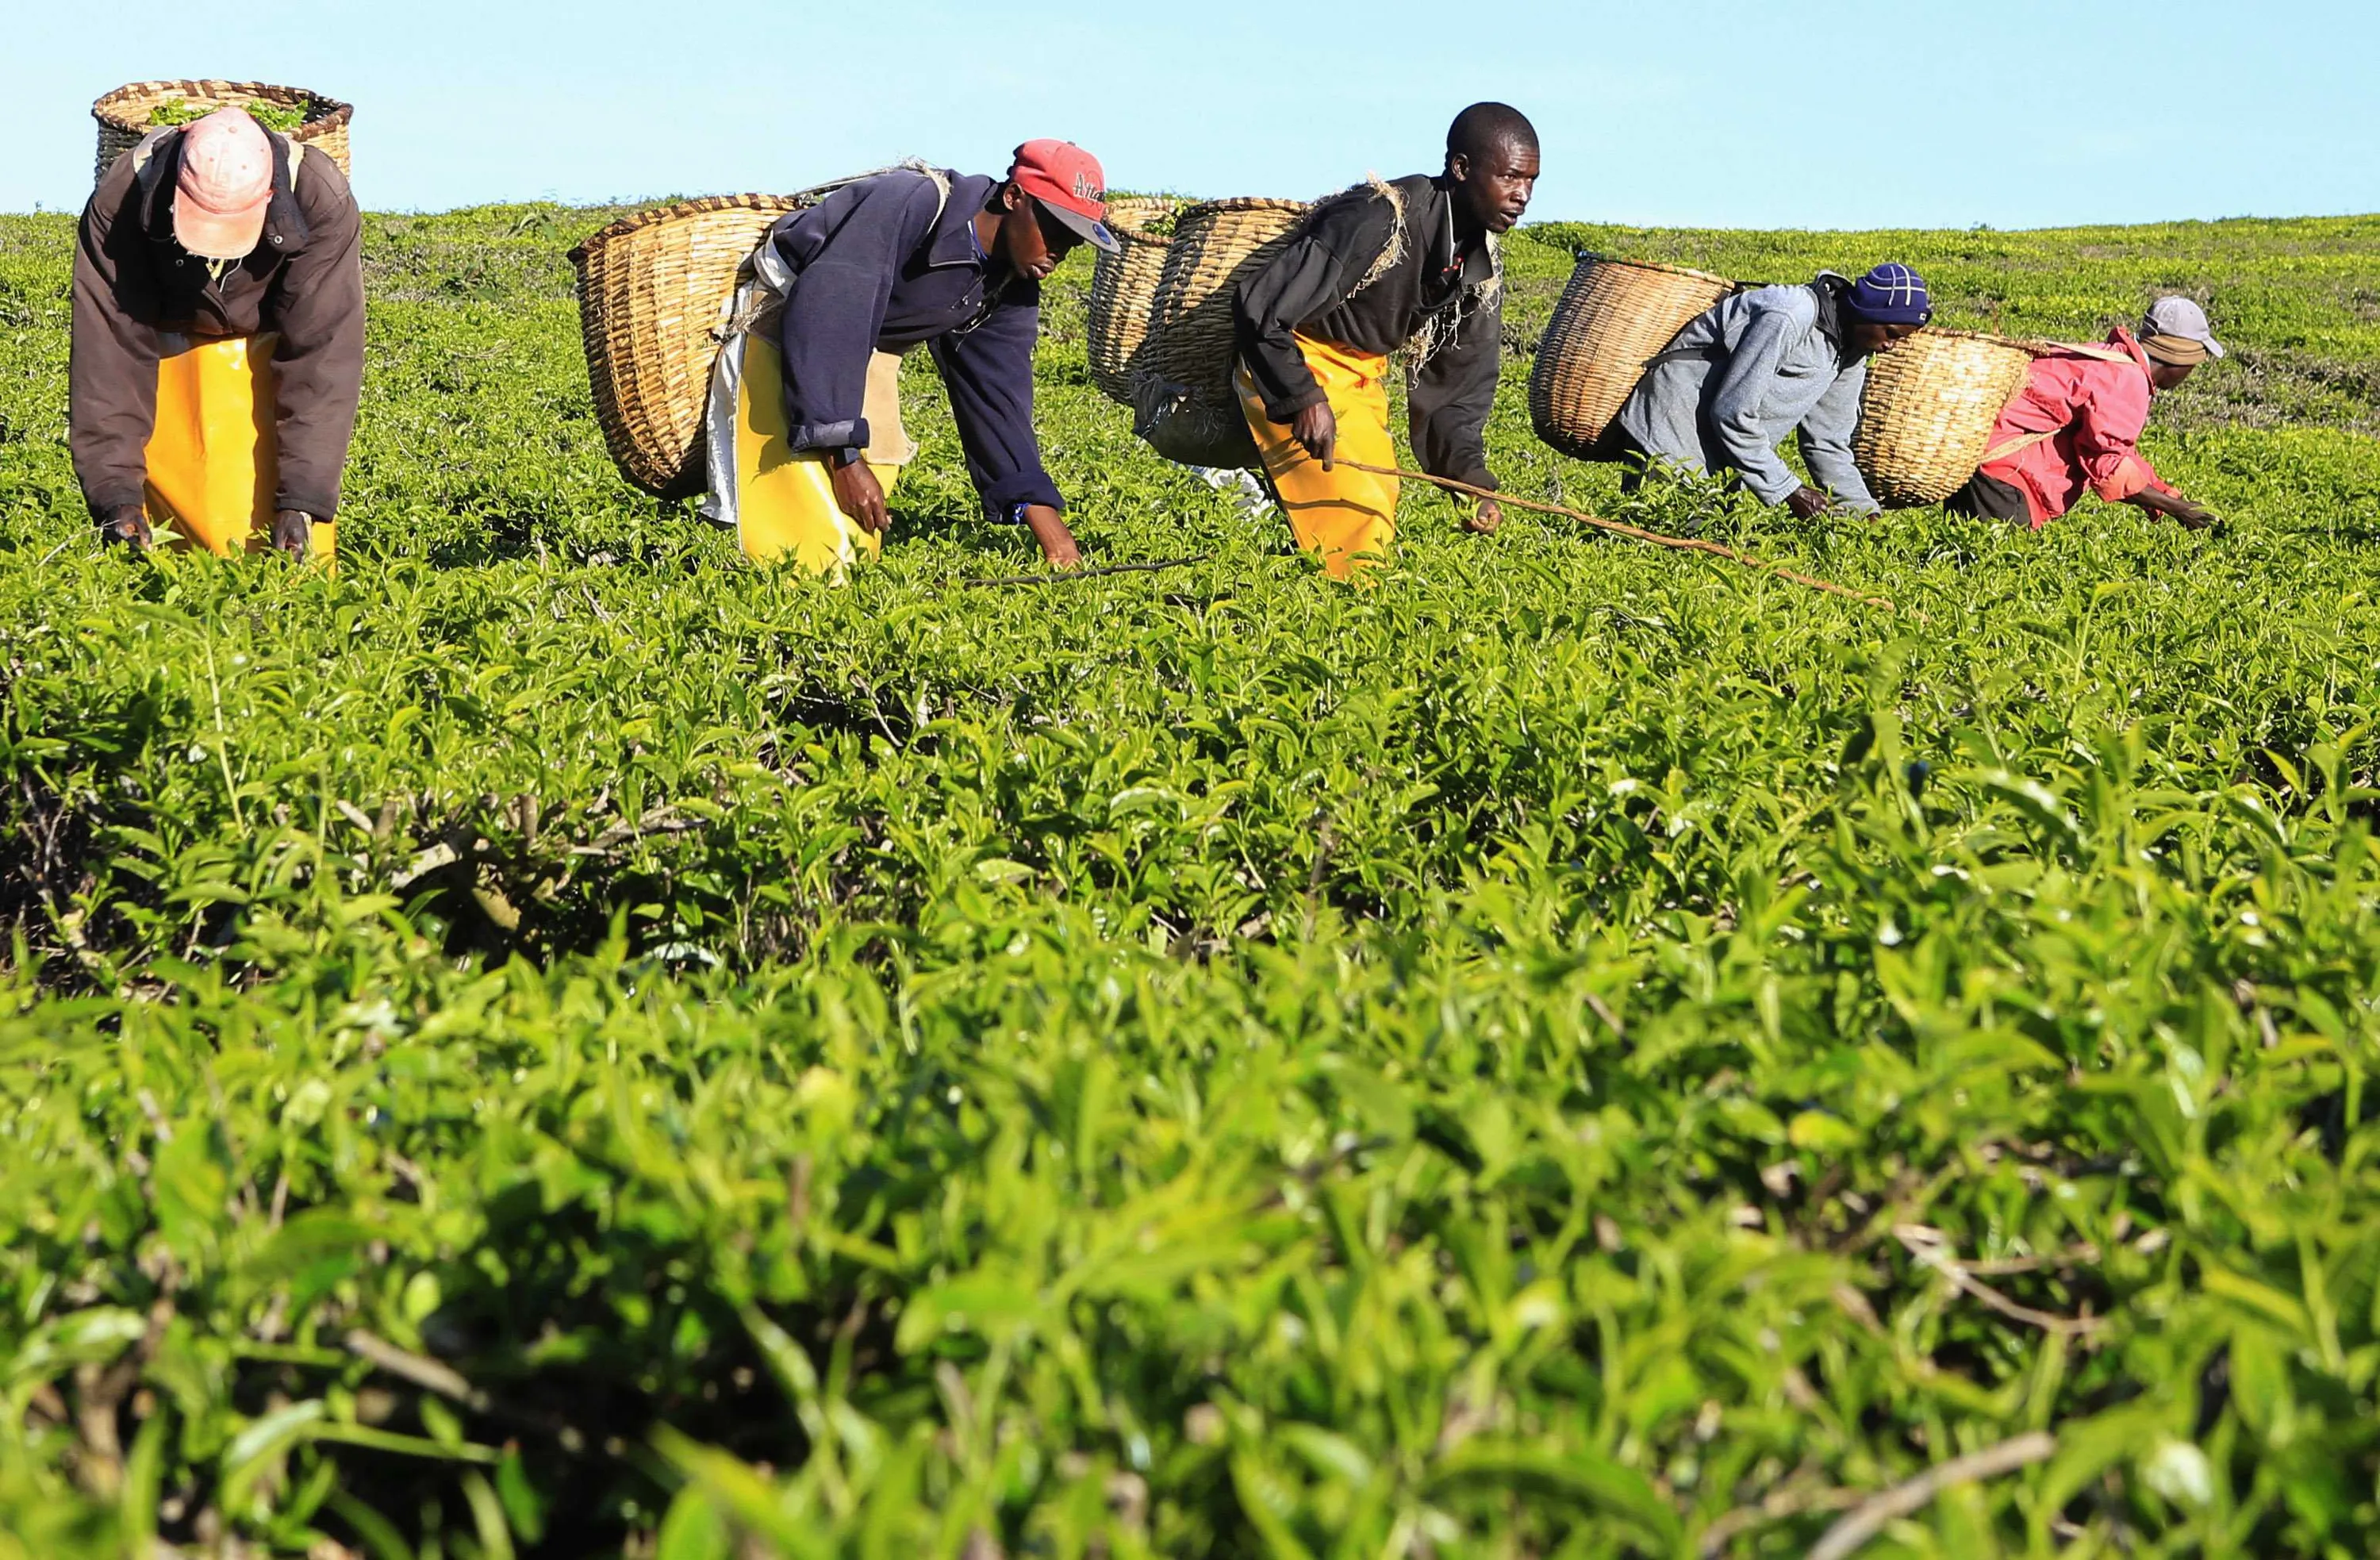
(2179, 316)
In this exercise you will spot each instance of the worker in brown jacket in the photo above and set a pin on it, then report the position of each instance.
(218, 339)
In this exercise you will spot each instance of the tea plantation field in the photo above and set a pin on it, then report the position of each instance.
(555, 1043)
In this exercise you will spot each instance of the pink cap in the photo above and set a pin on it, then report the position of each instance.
(226, 184)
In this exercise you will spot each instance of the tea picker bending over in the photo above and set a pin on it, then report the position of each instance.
(1410, 263)
(2077, 424)
(804, 426)
(218, 345)
(1756, 366)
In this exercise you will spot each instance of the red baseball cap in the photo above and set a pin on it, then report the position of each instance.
(1068, 182)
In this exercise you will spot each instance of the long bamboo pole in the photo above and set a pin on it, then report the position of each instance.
(1683, 544)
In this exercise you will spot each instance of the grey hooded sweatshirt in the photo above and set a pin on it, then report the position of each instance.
(1740, 376)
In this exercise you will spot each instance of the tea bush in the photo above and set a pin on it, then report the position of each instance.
(554, 1042)
(282, 117)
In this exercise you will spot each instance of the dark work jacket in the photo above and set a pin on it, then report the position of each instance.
(874, 268)
(1312, 286)
(133, 284)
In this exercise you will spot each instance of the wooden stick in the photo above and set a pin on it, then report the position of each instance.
(1059, 576)
(432, 1375)
(436, 1375)
(1778, 1505)
(1942, 1261)
(1845, 1537)
(1683, 544)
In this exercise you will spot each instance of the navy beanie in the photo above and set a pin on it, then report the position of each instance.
(1890, 295)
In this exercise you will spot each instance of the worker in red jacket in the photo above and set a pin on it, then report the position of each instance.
(2077, 424)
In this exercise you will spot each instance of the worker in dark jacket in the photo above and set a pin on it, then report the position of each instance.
(218, 340)
(806, 430)
(1410, 265)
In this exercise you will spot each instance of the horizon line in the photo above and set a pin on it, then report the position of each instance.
(618, 203)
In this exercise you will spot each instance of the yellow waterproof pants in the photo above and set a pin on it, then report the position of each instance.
(1348, 518)
(785, 503)
(213, 468)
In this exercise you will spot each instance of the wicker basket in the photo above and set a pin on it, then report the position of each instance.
(1124, 290)
(651, 288)
(1612, 319)
(1926, 415)
(123, 115)
(1182, 394)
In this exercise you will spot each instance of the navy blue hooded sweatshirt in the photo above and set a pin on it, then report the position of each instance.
(874, 268)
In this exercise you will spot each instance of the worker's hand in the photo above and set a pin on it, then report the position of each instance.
(2180, 510)
(858, 494)
(1484, 517)
(1318, 429)
(1808, 503)
(1049, 528)
(126, 526)
(292, 533)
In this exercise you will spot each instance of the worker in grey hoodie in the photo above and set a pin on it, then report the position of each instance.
(1761, 364)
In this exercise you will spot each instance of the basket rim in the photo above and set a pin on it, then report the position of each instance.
(1171, 207)
(1131, 234)
(2042, 347)
(1240, 203)
(1956, 333)
(1596, 257)
(693, 206)
(336, 111)
(2031, 346)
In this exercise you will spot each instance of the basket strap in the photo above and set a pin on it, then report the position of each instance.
(144, 153)
(2022, 441)
(2105, 354)
(761, 279)
(1683, 355)
(144, 157)
(1394, 249)
(913, 166)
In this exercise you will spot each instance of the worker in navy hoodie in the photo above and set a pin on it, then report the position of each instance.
(805, 432)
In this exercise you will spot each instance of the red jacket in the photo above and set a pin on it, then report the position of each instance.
(2077, 423)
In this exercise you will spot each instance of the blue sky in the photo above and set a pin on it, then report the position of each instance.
(2015, 113)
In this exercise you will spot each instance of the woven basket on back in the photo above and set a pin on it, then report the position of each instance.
(652, 291)
(1182, 394)
(1927, 412)
(1124, 289)
(1612, 319)
(123, 115)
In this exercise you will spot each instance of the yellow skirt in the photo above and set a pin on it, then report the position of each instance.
(214, 468)
(1347, 517)
(785, 505)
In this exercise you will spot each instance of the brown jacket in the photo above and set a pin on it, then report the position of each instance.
(133, 284)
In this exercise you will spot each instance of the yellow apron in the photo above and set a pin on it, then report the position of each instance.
(1348, 518)
(213, 470)
(785, 503)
